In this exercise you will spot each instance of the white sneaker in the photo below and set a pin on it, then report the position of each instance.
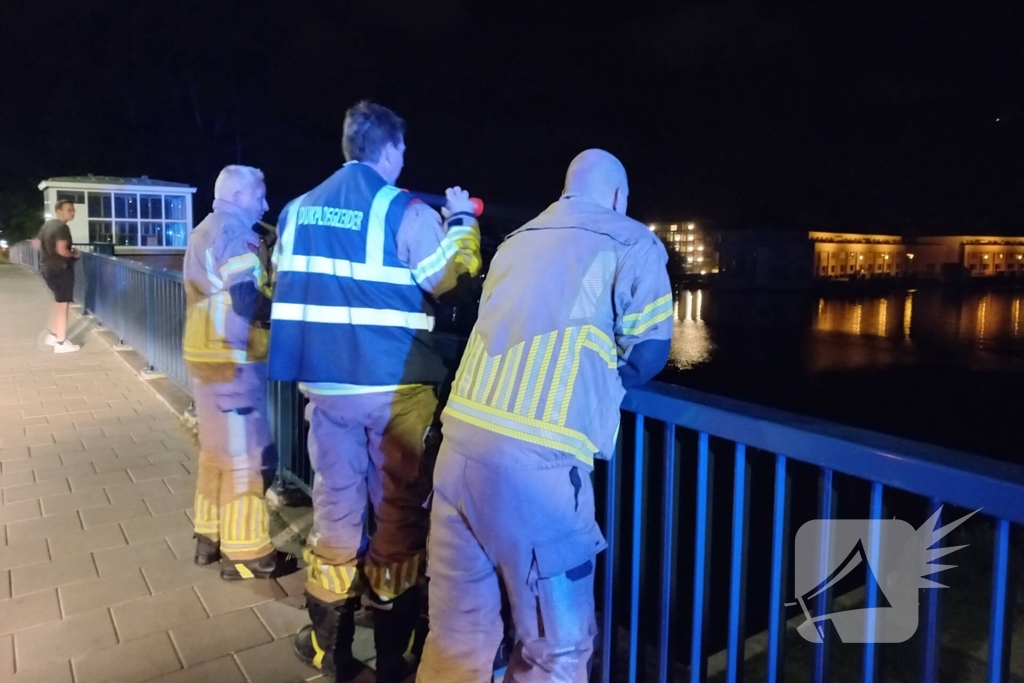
(66, 347)
(50, 339)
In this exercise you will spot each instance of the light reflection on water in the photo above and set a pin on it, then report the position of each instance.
(836, 332)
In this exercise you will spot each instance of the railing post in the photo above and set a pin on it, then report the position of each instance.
(738, 568)
(999, 644)
(611, 526)
(636, 564)
(151, 319)
(668, 554)
(871, 665)
(780, 571)
(932, 604)
(823, 601)
(701, 562)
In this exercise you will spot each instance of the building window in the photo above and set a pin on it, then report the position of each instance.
(70, 196)
(984, 266)
(101, 231)
(100, 205)
(888, 267)
(689, 238)
(127, 233)
(833, 269)
(674, 228)
(974, 266)
(824, 270)
(999, 266)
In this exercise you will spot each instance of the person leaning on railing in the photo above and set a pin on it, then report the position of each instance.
(225, 348)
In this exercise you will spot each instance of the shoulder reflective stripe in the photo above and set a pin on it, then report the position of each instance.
(522, 428)
(237, 264)
(321, 265)
(375, 229)
(436, 262)
(346, 315)
(653, 313)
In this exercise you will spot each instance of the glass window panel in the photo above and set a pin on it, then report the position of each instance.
(69, 196)
(100, 205)
(175, 235)
(126, 206)
(174, 207)
(101, 231)
(152, 234)
(151, 206)
(127, 233)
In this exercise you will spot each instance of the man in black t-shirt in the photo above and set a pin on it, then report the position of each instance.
(57, 266)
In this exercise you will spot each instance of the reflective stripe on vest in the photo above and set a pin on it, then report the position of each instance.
(347, 315)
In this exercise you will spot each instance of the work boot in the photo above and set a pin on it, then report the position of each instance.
(207, 551)
(326, 644)
(270, 566)
(394, 626)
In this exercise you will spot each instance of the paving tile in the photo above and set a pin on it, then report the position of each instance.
(56, 448)
(114, 442)
(24, 612)
(65, 639)
(137, 449)
(5, 585)
(41, 527)
(170, 456)
(295, 583)
(162, 471)
(177, 502)
(151, 437)
(16, 479)
(86, 500)
(22, 554)
(96, 481)
(77, 434)
(132, 662)
(168, 576)
(274, 663)
(207, 640)
(94, 456)
(114, 514)
(55, 672)
(78, 470)
(221, 597)
(179, 484)
(34, 491)
(130, 429)
(8, 453)
(6, 657)
(102, 592)
(22, 439)
(146, 528)
(145, 616)
(37, 577)
(41, 462)
(17, 512)
(130, 557)
(116, 464)
(284, 617)
(183, 545)
(133, 492)
(223, 670)
(87, 541)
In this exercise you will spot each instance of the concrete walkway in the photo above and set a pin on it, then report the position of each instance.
(97, 583)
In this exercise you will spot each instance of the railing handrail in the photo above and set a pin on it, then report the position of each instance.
(925, 469)
(165, 273)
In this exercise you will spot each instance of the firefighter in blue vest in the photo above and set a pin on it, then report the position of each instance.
(357, 263)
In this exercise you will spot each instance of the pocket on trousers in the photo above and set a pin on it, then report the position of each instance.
(563, 582)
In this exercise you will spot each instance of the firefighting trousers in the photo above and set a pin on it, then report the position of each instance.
(237, 462)
(368, 448)
(534, 531)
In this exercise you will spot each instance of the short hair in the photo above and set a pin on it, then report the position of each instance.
(60, 204)
(233, 178)
(369, 127)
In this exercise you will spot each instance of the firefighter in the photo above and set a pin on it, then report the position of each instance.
(576, 306)
(225, 349)
(357, 263)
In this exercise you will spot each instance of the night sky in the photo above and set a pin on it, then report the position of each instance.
(814, 115)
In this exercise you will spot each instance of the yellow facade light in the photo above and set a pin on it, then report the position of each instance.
(690, 226)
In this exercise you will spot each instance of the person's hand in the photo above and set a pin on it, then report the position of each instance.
(458, 202)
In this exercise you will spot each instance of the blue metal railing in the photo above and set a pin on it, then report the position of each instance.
(673, 436)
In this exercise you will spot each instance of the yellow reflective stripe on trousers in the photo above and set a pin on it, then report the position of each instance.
(522, 428)
(390, 581)
(653, 313)
(338, 579)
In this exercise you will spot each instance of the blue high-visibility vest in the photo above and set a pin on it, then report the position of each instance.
(346, 310)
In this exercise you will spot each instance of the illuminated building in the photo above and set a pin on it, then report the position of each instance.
(696, 245)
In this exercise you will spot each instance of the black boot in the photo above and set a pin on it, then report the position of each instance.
(393, 635)
(327, 643)
(269, 566)
(207, 551)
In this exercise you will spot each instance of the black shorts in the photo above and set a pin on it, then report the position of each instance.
(61, 283)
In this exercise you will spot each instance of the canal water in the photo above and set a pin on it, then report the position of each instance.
(934, 365)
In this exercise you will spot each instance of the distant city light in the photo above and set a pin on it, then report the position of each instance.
(689, 259)
(700, 248)
(886, 257)
(986, 257)
(1020, 256)
(700, 259)
(910, 256)
(674, 227)
(1000, 256)
(703, 272)
(3, 244)
(651, 227)
(862, 257)
(690, 226)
